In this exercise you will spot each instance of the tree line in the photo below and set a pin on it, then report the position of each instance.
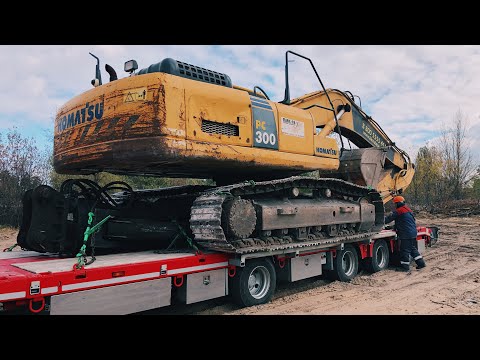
(22, 167)
(445, 172)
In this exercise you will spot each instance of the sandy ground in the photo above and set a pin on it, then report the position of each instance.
(450, 284)
(8, 237)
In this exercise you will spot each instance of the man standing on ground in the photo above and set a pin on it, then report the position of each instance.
(406, 228)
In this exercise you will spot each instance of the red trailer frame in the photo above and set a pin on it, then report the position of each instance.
(29, 280)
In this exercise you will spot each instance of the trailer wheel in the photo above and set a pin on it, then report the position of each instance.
(345, 264)
(255, 283)
(380, 257)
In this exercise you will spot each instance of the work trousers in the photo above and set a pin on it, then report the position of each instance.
(408, 247)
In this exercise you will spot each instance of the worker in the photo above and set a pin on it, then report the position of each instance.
(406, 228)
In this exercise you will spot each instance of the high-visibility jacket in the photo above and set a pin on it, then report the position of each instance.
(404, 222)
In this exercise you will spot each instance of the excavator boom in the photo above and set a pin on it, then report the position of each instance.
(376, 162)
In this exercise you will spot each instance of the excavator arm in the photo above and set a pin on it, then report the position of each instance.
(376, 162)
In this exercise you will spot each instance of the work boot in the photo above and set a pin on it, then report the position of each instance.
(420, 264)
(402, 269)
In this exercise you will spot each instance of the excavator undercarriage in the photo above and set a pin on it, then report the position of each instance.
(295, 212)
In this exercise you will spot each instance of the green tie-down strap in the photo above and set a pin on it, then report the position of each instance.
(10, 248)
(82, 256)
(184, 233)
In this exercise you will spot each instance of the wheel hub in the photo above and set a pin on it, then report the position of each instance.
(347, 263)
(259, 282)
(380, 257)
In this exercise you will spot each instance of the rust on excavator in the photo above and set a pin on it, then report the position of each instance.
(84, 143)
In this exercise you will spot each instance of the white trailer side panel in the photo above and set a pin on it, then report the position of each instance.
(114, 300)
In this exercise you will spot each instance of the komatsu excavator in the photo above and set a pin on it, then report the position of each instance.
(174, 119)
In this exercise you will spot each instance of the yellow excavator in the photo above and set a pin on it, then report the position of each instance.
(175, 119)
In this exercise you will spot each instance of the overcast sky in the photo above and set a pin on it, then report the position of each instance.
(410, 90)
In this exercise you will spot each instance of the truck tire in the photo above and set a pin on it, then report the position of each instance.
(255, 283)
(345, 264)
(380, 257)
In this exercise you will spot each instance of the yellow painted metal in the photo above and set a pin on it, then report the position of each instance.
(172, 119)
(251, 92)
(394, 181)
(325, 118)
(295, 130)
(390, 186)
(262, 157)
(169, 111)
(218, 104)
(72, 134)
(326, 147)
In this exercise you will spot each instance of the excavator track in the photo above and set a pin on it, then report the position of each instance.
(208, 229)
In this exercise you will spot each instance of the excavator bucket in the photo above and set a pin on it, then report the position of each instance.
(363, 166)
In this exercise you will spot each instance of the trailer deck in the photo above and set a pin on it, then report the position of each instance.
(27, 275)
(130, 282)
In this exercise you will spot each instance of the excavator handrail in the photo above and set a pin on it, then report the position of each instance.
(286, 100)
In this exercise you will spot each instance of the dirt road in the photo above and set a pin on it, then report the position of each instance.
(450, 284)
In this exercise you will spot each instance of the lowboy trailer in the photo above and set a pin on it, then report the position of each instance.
(127, 283)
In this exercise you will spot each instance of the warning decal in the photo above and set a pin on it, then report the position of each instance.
(132, 95)
(292, 127)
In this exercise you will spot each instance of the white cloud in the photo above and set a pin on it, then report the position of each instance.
(410, 90)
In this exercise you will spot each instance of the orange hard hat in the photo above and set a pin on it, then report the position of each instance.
(398, 198)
